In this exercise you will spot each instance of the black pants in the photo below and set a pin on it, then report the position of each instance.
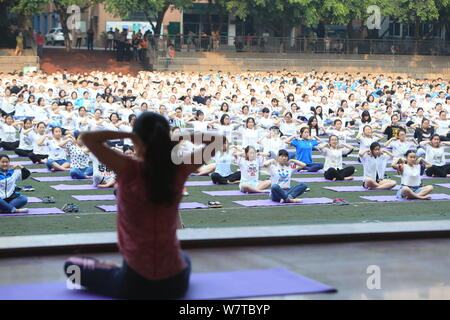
(10, 146)
(339, 174)
(218, 179)
(35, 158)
(438, 171)
(124, 282)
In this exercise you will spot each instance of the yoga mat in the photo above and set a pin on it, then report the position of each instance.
(65, 187)
(199, 183)
(34, 200)
(97, 197)
(203, 286)
(423, 177)
(307, 172)
(227, 193)
(22, 163)
(437, 196)
(444, 185)
(34, 211)
(39, 170)
(355, 189)
(269, 203)
(319, 179)
(183, 206)
(58, 178)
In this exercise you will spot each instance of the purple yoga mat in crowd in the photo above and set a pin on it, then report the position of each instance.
(227, 193)
(97, 197)
(270, 203)
(35, 211)
(39, 170)
(443, 185)
(320, 179)
(199, 183)
(22, 163)
(183, 206)
(34, 200)
(58, 178)
(72, 187)
(438, 196)
(202, 286)
(355, 189)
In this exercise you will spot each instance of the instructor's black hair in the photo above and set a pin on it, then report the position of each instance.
(159, 169)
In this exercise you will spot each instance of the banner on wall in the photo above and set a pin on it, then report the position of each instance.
(131, 26)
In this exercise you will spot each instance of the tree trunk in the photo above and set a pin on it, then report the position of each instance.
(210, 16)
(63, 16)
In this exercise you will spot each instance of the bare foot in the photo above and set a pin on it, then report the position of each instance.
(348, 178)
(24, 210)
(53, 169)
(295, 200)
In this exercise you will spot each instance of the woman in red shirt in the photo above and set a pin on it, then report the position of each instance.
(149, 191)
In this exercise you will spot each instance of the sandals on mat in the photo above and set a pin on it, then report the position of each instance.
(70, 208)
(340, 201)
(214, 204)
(48, 199)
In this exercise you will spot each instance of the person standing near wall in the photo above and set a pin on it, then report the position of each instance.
(90, 39)
(40, 44)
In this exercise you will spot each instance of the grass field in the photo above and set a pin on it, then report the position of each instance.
(92, 219)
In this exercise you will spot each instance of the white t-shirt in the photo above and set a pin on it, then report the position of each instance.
(27, 140)
(8, 133)
(399, 148)
(333, 157)
(281, 175)
(56, 152)
(43, 149)
(249, 137)
(249, 169)
(364, 142)
(273, 145)
(442, 129)
(411, 176)
(436, 156)
(373, 166)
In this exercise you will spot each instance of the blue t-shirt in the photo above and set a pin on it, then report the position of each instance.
(304, 149)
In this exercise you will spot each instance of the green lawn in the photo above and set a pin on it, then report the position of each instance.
(91, 219)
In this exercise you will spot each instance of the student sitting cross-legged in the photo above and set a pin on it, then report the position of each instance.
(10, 200)
(281, 172)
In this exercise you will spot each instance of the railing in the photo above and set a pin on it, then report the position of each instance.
(303, 45)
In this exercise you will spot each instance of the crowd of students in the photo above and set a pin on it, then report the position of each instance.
(270, 120)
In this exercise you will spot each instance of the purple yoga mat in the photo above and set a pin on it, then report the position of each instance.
(39, 170)
(22, 163)
(203, 286)
(319, 179)
(355, 189)
(97, 197)
(199, 183)
(226, 193)
(350, 162)
(444, 185)
(307, 172)
(71, 187)
(269, 203)
(34, 211)
(183, 206)
(438, 196)
(33, 200)
(58, 178)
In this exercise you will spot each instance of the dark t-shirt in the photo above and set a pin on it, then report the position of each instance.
(200, 99)
(392, 131)
(421, 134)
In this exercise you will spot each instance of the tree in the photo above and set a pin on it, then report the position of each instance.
(154, 10)
(30, 7)
(410, 11)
